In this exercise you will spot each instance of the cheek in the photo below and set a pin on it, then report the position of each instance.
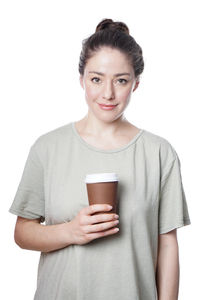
(123, 96)
(91, 93)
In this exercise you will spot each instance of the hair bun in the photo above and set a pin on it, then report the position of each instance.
(109, 24)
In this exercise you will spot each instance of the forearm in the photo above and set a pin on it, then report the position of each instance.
(44, 238)
(167, 276)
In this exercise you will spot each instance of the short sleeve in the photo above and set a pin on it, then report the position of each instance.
(29, 198)
(173, 209)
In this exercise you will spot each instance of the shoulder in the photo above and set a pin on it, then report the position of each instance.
(161, 145)
(51, 138)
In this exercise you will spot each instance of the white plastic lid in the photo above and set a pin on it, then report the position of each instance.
(101, 177)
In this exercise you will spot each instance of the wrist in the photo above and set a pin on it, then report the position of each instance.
(66, 235)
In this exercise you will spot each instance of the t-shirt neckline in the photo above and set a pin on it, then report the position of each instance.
(134, 139)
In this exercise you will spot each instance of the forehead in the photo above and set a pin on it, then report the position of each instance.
(108, 60)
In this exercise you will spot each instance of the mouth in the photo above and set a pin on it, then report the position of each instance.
(107, 107)
(107, 104)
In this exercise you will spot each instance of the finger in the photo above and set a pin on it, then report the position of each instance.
(91, 209)
(92, 236)
(100, 227)
(101, 218)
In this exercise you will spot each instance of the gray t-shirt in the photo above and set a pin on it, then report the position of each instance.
(151, 201)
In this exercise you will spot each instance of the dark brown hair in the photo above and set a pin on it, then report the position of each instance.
(114, 35)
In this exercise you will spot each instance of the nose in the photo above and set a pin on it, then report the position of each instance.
(108, 92)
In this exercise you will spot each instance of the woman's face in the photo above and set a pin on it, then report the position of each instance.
(104, 85)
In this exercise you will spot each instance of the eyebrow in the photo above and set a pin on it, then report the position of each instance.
(116, 75)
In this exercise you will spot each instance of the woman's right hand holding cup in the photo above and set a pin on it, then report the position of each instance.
(86, 227)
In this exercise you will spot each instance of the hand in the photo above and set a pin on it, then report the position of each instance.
(83, 228)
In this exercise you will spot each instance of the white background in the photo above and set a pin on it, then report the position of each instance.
(40, 91)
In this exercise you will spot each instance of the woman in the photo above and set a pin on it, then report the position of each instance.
(84, 256)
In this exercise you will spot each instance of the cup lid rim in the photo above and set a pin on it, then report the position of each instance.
(101, 177)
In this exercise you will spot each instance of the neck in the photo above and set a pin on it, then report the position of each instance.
(101, 128)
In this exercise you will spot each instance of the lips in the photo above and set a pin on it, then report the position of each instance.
(107, 105)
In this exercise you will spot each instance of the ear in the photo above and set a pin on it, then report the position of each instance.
(136, 84)
(81, 81)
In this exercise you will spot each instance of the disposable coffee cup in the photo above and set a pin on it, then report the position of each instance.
(102, 189)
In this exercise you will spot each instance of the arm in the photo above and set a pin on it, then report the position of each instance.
(31, 235)
(167, 276)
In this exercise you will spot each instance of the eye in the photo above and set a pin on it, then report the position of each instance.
(125, 81)
(95, 80)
